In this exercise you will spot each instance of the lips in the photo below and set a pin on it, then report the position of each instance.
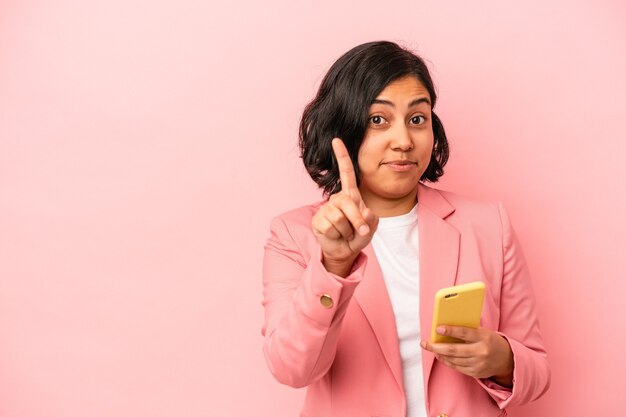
(400, 162)
(401, 165)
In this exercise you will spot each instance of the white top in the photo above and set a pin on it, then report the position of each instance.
(396, 246)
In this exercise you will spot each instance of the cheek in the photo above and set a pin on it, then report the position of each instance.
(427, 143)
(424, 144)
(428, 150)
(365, 164)
(368, 156)
(425, 152)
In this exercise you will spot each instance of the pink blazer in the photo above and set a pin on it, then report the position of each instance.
(346, 351)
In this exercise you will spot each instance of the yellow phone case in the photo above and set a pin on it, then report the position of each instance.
(460, 305)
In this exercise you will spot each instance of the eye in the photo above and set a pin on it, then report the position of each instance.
(377, 120)
(418, 120)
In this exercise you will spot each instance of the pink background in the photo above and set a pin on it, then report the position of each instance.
(145, 145)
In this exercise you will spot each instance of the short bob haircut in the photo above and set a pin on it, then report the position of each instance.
(341, 109)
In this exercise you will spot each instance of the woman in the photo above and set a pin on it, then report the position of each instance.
(349, 282)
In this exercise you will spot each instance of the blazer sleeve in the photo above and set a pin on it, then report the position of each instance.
(520, 327)
(300, 332)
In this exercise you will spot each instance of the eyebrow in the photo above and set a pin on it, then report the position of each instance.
(411, 104)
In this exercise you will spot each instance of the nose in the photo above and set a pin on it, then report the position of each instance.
(401, 139)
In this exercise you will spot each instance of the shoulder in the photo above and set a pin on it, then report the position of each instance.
(462, 210)
(298, 217)
(466, 204)
(439, 199)
(292, 229)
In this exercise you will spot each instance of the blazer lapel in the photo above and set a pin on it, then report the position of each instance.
(438, 258)
(371, 295)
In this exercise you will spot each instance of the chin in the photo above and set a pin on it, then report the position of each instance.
(396, 193)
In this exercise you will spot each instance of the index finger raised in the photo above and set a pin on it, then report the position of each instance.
(346, 169)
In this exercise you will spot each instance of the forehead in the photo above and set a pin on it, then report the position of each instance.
(406, 88)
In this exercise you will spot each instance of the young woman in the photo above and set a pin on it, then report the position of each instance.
(349, 282)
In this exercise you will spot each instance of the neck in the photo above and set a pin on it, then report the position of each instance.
(386, 207)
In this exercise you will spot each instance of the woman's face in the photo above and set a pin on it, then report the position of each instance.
(398, 143)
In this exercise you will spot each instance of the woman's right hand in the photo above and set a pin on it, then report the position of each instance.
(344, 225)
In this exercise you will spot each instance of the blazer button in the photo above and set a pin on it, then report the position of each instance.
(442, 415)
(326, 301)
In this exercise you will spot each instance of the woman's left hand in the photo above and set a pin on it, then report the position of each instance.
(485, 353)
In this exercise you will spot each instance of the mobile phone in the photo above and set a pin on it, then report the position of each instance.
(460, 305)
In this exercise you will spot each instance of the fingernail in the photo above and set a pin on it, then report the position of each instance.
(441, 330)
(423, 344)
(364, 229)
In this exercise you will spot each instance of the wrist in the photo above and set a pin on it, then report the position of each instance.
(504, 376)
(505, 381)
(340, 268)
